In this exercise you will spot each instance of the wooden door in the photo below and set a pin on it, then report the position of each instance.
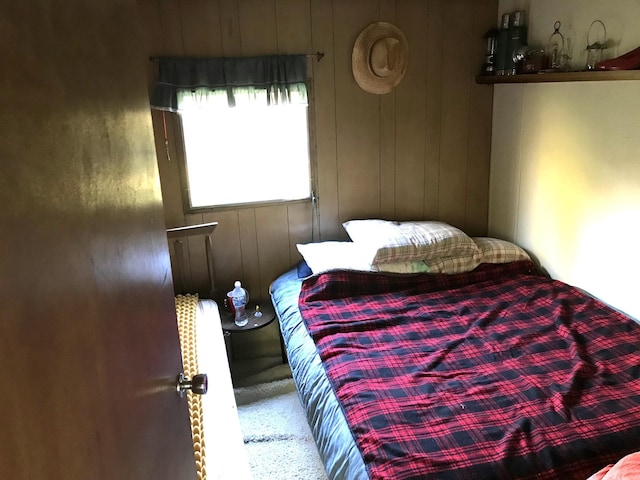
(88, 338)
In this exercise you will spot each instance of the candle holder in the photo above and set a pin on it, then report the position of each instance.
(558, 50)
(596, 48)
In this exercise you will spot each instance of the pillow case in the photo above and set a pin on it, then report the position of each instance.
(495, 250)
(303, 269)
(464, 263)
(430, 241)
(324, 256)
(402, 267)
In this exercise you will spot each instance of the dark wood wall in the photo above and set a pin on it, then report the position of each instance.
(420, 152)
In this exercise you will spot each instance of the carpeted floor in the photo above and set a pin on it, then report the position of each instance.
(277, 437)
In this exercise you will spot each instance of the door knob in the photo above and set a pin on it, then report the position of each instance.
(198, 384)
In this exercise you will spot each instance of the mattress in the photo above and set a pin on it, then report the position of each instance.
(334, 440)
(364, 314)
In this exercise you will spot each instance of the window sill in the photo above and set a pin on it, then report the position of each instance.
(241, 206)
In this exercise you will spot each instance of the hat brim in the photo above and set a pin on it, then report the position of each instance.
(363, 74)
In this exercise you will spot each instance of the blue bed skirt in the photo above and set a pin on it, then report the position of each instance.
(333, 437)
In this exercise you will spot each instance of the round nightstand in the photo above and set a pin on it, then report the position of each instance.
(254, 323)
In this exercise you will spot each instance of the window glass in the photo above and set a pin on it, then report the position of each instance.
(245, 154)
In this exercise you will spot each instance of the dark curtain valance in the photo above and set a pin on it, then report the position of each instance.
(278, 74)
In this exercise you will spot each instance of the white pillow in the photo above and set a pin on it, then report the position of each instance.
(495, 250)
(392, 242)
(325, 256)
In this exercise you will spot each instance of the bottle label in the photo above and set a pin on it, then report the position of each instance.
(239, 301)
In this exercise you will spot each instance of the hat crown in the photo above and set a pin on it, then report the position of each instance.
(384, 56)
(379, 57)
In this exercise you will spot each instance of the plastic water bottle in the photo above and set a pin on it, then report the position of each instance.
(239, 299)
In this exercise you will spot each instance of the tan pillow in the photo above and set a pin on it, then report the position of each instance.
(465, 263)
(495, 250)
(392, 242)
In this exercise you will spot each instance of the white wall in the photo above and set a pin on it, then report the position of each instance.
(565, 167)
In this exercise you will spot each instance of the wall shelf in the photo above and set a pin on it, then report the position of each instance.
(560, 77)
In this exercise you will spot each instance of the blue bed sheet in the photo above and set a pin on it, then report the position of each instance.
(333, 437)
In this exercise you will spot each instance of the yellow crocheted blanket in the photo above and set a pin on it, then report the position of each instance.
(186, 311)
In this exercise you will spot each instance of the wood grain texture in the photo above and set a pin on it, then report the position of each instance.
(273, 252)
(388, 133)
(324, 100)
(172, 27)
(507, 159)
(249, 248)
(196, 249)
(293, 26)
(258, 27)
(229, 28)
(458, 18)
(169, 167)
(151, 23)
(88, 326)
(357, 119)
(411, 124)
(300, 229)
(433, 107)
(199, 38)
(421, 151)
(227, 252)
(479, 143)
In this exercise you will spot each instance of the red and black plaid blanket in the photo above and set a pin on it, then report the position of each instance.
(497, 373)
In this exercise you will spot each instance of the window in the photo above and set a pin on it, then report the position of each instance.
(252, 152)
(244, 123)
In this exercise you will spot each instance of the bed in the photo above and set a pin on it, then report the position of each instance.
(484, 369)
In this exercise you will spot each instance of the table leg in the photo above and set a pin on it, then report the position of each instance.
(229, 346)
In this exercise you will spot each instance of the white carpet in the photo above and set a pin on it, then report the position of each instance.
(277, 437)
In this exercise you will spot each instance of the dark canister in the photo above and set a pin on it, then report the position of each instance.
(502, 45)
(517, 39)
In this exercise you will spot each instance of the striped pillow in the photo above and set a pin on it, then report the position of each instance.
(464, 263)
(392, 242)
(495, 250)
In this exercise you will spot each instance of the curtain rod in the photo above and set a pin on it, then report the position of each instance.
(317, 55)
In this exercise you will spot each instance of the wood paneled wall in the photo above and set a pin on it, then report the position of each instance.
(420, 152)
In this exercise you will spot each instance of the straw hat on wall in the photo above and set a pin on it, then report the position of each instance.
(379, 57)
